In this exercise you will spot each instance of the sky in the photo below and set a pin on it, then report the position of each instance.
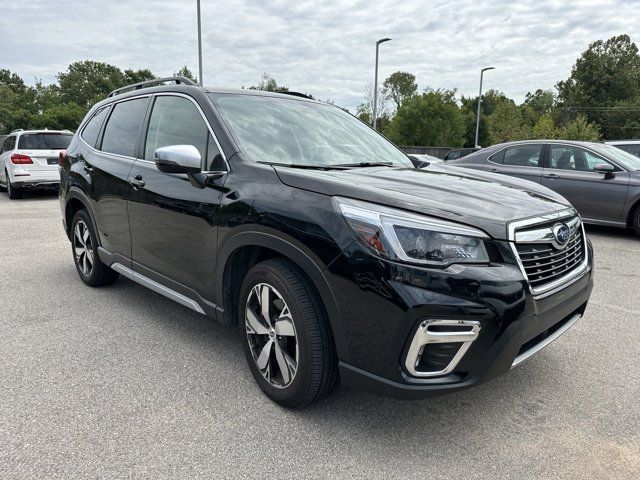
(326, 48)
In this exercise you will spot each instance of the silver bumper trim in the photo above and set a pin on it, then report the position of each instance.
(426, 334)
(539, 346)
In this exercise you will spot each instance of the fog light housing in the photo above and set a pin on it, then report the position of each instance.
(438, 346)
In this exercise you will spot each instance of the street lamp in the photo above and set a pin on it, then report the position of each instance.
(199, 46)
(375, 84)
(479, 102)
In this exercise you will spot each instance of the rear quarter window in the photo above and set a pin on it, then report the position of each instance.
(92, 129)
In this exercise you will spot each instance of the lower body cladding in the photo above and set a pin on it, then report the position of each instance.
(416, 333)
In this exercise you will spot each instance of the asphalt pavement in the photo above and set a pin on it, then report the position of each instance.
(119, 382)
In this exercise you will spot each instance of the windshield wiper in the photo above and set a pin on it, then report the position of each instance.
(308, 166)
(366, 164)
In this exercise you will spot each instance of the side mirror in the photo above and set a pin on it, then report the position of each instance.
(605, 168)
(417, 162)
(178, 159)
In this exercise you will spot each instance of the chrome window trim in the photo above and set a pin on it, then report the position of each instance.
(511, 146)
(176, 94)
(588, 150)
(206, 121)
(424, 337)
(539, 346)
(559, 283)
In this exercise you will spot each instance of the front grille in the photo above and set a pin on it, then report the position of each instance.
(544, 263)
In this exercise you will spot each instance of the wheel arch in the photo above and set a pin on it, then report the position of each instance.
(75, 200)
(249, 246)
(635, 205)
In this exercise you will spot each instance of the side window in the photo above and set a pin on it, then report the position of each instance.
(9, 144)
(177, 121)
(497, 157)
(123, 127)
(567, 157)
(92, 128)
(523, 155)
(633, 149)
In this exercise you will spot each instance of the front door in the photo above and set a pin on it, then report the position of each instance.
(173, 223)
(570, 172)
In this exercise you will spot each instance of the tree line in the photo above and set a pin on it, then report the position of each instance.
(599, 100)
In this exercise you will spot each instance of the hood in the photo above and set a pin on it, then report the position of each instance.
(483, 200)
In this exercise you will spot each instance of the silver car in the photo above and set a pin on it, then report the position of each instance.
(601, 181)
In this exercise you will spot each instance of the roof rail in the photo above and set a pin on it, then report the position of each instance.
(147, 83)
(298, 94)
(16, 130)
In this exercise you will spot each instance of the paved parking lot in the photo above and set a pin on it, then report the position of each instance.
(121, 382)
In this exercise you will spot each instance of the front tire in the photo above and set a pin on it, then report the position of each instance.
(286, 336)
(84, 246)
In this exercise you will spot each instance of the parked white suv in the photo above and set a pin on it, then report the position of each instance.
(29, 159)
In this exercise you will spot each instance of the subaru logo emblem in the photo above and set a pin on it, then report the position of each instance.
(561, 234)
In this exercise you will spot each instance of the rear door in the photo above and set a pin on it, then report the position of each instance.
(174, 224)
(570, 172)
(522, 161)
(106, 169)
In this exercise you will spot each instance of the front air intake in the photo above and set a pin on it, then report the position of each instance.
(439, 345)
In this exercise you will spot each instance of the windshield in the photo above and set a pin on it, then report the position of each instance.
(44, 141)
(626, 159)
(289, 131)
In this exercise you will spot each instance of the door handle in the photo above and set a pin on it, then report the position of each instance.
(137, 181)
(494, 170)
(551, 175)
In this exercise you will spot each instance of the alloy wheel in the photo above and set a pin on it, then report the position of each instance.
(271, 335)
(83, 248)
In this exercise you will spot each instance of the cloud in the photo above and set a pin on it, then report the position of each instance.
(325, 48)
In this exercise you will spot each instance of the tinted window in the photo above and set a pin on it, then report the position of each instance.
(522, 155)
(44, 141)
(92, 129)
(177, 121)
(9, 143)
(567, 157)
(123, 127)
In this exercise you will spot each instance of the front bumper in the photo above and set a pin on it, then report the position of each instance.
(513, 325)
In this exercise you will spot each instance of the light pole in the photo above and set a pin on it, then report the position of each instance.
(199, 46)
(375, 84)
(479, 102)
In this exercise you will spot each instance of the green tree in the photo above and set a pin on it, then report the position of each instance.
(545, 128)
(603, 85)
(430, 119)
(364, 111)
(400, 86)
(506, 124)
(490, 101)
(269, 84)
(580, 129)
(185, 72)
(136, 76)
(87, 82)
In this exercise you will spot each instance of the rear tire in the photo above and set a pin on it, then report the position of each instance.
(14, 193)
(291, 332)
(636, 221)
(84, 246)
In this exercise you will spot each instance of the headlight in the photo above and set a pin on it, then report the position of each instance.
(407, 237)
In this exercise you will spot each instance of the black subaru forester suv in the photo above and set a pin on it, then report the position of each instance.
(335, 256)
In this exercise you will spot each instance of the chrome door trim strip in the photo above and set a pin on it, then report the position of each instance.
(539, 346)
(157, 287)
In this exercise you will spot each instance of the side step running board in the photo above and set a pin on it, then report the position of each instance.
(157, 287)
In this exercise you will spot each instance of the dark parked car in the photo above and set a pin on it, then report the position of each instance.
(459, 153)
(601, 181)
(336, 258)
